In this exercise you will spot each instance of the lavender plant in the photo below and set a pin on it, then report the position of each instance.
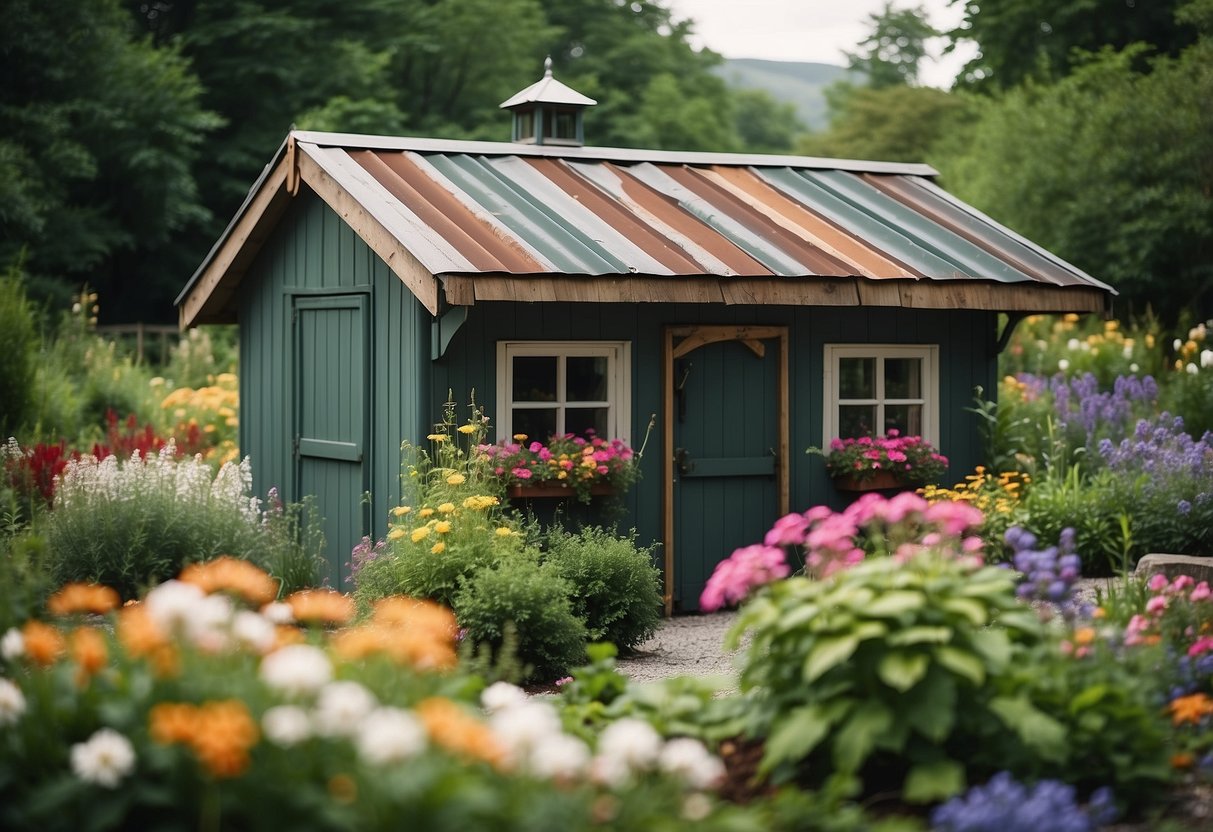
(1049, 574)
(1004, 805)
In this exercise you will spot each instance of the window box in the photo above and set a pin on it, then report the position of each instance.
(880, 481)
(552, 491)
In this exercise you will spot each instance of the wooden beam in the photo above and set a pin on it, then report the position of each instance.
(399, 259)
(695, 337)
(783, 460)
(217, 282)
(789, 291)
(667, 466)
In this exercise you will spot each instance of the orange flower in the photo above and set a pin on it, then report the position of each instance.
(230, 574)
(342, 788)
(1084, 635)
(219, 733)
(360, 642)
(457, 731)
(284, 635)
(83, 598)
(413, 614)
(143, 639)
(1190, 708)
(1182, 760)
(43, 643)
(89, 651)
(321, 606)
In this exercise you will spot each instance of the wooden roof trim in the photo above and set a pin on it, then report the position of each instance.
(203, 302)
(465, 290)
(372, 230)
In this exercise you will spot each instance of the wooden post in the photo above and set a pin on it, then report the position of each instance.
(667, 465)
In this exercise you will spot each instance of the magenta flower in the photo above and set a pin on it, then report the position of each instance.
(744, 570)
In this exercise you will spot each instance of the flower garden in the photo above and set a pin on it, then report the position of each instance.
(923, 660)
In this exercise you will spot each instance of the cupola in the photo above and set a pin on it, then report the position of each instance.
(548, 112)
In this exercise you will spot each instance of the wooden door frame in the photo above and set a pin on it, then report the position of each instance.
(680, 340)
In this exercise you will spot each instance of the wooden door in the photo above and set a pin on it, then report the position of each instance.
(727, 440)
(331, 413)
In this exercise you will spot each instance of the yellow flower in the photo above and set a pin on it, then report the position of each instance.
(425, 512)
(520, 437)
(1070, 318)
(438, 548)
(419, 534)
(437, 437)
(467, 428)
(1150, 340)
(480, 502)
(395, 534)
(456, 479)
(446, 508)
(503, 531)
(442, 526)
(400, 511)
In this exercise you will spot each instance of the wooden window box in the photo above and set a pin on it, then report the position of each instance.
(552, 490)
(881, 481)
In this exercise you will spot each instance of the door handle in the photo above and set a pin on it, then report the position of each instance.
(684, 462)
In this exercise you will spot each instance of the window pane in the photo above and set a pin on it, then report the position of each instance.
(538, 425)
(856, 420)
(857, 378)
(535, 378)
(577, 420)
(586, 378)
(906, 418)
(903, 378)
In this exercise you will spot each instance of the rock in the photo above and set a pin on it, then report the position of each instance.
(1200, 568)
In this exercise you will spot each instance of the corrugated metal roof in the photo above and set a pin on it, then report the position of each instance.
(463, 209)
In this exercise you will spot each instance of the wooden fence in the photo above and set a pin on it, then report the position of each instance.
(146, 337)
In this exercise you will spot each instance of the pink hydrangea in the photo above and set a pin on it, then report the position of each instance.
(741, 572)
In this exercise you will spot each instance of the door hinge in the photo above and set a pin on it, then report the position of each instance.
(295, 451)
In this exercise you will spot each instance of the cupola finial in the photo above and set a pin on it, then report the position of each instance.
(548, 112)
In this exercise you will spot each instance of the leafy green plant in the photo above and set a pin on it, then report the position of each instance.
(616, 587)
(17, 340)
(885, 671)
(535, 599)
(1066, 499)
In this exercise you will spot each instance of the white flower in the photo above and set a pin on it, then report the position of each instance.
(253, 631)
(286, 725)
(611, 772)
(688, 759)
(1206, 358)
(173, 604)
(1074, 344)
(696, 807)
(12, 646)
(502, 695)
(1063, 365)
(341, 707)
(1192, 369)
(1128, 351)
(522, 727)
(631, 740)
(278, 612)
(559, 755)
(297, 668)
(209, 623)
(105, 759)
(12, 702)
(1133, 368)
(1177, 344)
(389, 735)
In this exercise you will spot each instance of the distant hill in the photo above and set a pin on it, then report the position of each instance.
(799, 83)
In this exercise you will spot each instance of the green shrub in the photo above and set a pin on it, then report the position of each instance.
(887, 671)
(1066, 499)
(616, 587)
(1105, 703)
(24, 580)
(17, 340)
(130, 524)
(518, 590)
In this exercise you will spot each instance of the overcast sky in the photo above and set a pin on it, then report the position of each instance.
(806, 30)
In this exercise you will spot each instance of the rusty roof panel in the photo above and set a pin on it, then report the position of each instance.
(492, 209)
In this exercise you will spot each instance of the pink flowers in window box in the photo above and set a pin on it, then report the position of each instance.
(909, 459)
(584, 464)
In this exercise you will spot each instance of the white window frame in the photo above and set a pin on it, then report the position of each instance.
(619, 382)
(928, 353)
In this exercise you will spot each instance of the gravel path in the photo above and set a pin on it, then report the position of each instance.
(689, 645)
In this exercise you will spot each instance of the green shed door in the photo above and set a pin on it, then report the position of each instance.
(730, 448)
(331, 400)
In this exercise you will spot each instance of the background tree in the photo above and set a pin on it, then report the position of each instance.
(1020, 39)
(891, 53)
(99, 131)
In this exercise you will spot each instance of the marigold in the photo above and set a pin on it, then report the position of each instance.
(442, 526)
(437, 437)
(446, 508)
(438, 548)
(400, 511)
(503, 531)
(83, 598)
(425, 512)
(1084, 635)
(321, 606)
(89, 651)
(459, 732)
(43, 643)
(466, 429)
(411, 613)
(230, 574)
(419, 534)
(456, 479)
(219, 733)
(1192, 708)
(480, 502)
(396, 533)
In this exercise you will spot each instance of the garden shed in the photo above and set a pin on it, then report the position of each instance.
(757, 305)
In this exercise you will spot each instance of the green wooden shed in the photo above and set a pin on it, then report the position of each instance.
(756, 305)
